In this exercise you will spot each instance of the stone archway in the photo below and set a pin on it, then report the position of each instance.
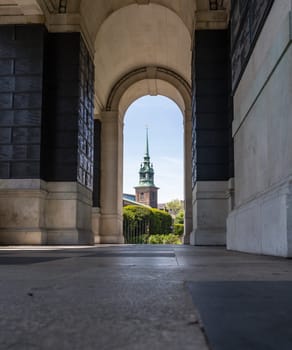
(171, 85)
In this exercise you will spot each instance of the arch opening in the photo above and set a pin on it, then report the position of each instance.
(164, 122)
(153, 127)
(123, 93)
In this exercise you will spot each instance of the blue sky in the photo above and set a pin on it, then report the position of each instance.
(165, 128)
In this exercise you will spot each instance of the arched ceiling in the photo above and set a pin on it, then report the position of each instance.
(150, 87)
(97, 11)
(136, 36)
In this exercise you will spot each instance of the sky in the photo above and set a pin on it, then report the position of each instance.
(165, 130)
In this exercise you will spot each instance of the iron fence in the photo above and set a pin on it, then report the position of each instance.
(136, 232)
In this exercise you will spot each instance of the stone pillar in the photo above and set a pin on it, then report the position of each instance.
(68, 139)
(22, 192)
(211, 139)
(188, 176)
(96, 181)
(111, 230)
(46, 137)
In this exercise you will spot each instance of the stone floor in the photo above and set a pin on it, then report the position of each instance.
(143, 297)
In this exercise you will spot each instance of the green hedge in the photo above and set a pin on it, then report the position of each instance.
(161, 222)
(158, 221)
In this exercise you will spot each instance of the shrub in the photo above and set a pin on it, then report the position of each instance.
(136, 224)
(140, 221)
(178, 229)
(160, 222)
(164, 239)
(136, 213)
(155, 239)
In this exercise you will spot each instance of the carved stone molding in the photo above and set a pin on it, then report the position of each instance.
(141, 73)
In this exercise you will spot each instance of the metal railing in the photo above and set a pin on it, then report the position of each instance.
(136, 232)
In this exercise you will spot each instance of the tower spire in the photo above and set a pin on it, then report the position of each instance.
(146, 172)
(146, 191)
(147, 143)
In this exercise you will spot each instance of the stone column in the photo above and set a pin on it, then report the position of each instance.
(111, 230)
(68, 139)
(46, 137)
(188, 175)
(211, 137)
(96, 181)
(22, 192)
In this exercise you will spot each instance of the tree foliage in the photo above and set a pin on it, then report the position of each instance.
(179, 219)
(174, 206)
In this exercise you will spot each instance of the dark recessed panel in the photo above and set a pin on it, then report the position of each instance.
(5, 135)
(27, 117)
(28, 66)
(6, 66)
(21, 67)
(211, 132)
(247, 21)
(5, 152)
(6, 100)
(4, 170)
(7, 84)
(20, 170)
(31, 100)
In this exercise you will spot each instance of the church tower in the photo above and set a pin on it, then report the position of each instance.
(146, 191)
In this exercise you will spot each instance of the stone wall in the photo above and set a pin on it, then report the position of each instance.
(261, 221)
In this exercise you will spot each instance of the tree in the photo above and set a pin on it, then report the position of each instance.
(179, 219)
(174, 207)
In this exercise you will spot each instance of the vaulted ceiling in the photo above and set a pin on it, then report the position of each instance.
(125, 34)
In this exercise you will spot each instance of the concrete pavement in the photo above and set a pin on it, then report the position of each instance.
(137, 297)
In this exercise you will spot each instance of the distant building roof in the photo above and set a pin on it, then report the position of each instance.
(127, 201)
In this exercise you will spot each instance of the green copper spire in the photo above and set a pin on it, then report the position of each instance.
(146, 173)
(147, 144)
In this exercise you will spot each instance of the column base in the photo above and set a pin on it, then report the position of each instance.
(68, 214)
(69, 237)
(264, 224)
(208, 237)
(187, 230)
(34, 212)
(111, 231)
(210, 209)
(111, 239)
(22, 237)
(96, 224)
(22, 207)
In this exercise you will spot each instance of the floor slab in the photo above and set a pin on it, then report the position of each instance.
(135, 297)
